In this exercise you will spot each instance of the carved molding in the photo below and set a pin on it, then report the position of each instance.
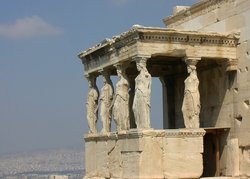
(232, 65)
(136, 43)
(191, 60)
(137, 33)
(134, 133)
(200, 39)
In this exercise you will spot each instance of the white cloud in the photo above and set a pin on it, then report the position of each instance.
(28, 27)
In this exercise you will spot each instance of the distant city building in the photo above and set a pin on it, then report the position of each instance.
(58, 177)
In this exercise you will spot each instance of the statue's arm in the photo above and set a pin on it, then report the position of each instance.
(149, 91)
(112, 103)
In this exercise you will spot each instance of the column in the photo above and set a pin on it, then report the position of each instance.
(121, 99)
(168, 91)
(164, 103)
(131, 99)
(191, 101)
(106, 98)
(92, 104)
(141, 103)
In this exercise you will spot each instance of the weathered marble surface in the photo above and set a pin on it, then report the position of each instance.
(224, 91)
(145, 154)
(229, 104)
(150, 42)
(105, 102)
(92, 104)
(191, 101)
(141, 103)
(121, 100)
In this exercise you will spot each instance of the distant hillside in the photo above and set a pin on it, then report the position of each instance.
(56, 161)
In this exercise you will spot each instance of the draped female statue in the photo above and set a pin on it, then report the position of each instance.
(121, 100)
(106, 100)
(92, 104)
(141, 104)
(191, 101)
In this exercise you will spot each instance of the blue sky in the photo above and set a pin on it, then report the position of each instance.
(42, 88)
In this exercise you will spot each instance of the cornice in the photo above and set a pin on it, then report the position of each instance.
(156, 34)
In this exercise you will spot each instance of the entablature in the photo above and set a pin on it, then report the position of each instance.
(152, 42)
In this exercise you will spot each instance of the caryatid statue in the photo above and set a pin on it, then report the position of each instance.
(105, 102)
(121, 100)
(141, 104)
(92, 104)
(191, 102)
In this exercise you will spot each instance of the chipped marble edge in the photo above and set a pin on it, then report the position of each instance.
(134, 133)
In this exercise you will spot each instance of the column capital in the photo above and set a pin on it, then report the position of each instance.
(91, 75)
(104, 72)
(123, 65)
(191, 60)
(231, 64)
(101, 70)
(140, 58)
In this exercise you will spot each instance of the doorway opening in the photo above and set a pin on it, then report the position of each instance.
(214, 143)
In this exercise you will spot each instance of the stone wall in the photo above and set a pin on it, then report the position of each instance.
(226, 16)
(145, 154)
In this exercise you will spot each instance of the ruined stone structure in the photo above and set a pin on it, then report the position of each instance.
(202, 59)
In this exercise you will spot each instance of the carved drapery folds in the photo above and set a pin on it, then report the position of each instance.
(191, 101)
(130, 106)
(141, 103)
(92, 104)
(121, 100)
(124, 109)
(105, 102)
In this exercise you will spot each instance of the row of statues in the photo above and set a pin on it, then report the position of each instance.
(117, 104)
(127, 103)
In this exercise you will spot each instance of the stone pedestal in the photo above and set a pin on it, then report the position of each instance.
(175, 153)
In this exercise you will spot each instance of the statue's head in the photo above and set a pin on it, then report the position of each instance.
(191, 68)
(91, 80)
(106, 77)
(119, 70)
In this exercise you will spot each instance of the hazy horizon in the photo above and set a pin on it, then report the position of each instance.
(43, 90)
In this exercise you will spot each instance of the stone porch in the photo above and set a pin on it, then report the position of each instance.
(175, 153)
(147, 153)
